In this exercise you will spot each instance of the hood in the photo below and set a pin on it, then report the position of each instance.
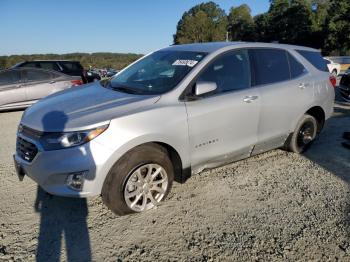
(81, 108)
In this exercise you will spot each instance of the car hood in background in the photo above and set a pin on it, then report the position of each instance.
(81, 108)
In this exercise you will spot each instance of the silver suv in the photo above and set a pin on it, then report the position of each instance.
(173, 113)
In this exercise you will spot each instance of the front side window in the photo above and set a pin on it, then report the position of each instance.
(230, 72)
(270, 66)
(10, 77)
(157, 73)
(36, 75)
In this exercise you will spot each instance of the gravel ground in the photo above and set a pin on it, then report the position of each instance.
(276, 206)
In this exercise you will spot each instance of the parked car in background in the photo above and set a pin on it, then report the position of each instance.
(68, 67)
(344, 86)
(22, 87)
(334, 68)
(92, 76)
(111, 72)
(174, 112)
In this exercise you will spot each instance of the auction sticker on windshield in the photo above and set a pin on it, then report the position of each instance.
(190, 63)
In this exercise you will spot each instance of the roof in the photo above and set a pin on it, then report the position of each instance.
(215, 46)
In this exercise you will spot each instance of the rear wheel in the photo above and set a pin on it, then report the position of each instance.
(304, 134)
(139, 181)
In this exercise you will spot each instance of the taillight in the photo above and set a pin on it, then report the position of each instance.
(77, 82)
(333, 80)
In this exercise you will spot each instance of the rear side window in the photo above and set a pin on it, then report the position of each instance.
(9, 77)
(315, 59)
(72, 66)
(296, 68)
(31, 64)
(270, 66)
(49, 66)
(36, 75)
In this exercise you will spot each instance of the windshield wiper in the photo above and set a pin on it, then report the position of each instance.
(125, 89)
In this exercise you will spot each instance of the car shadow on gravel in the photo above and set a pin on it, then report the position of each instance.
(63, 217)
(328, 153)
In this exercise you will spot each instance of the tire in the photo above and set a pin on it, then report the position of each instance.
(131, 175)
(303, 136)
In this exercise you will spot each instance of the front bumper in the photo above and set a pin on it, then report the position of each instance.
(50, 169)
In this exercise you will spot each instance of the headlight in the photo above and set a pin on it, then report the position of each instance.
(54, 141)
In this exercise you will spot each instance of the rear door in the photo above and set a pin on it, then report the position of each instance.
(12, 91)
(223, 124)
(286, 89)
(38, 84)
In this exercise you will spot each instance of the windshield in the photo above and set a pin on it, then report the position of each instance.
(157, 73)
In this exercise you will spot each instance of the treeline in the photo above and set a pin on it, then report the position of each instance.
(322, 24)
(96, 60)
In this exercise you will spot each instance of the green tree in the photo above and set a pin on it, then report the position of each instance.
(290, 21)
(262, 27)
(241, 24)
(205, 22)
(338, 29)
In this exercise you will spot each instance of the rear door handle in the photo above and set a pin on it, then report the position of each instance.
(249, 99)
(303, 85)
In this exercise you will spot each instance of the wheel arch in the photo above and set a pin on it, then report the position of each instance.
(177, 155)
(319, 114)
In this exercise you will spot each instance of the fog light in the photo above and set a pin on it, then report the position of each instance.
(76, 180)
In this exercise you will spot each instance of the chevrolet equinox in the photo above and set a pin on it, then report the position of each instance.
(173, 113)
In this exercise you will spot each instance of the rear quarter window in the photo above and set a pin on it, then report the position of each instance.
(315, 58)
(296, 68)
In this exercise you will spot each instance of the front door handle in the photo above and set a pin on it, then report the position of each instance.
(249, 99)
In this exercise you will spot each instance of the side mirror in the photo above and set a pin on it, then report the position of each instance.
(204, 87)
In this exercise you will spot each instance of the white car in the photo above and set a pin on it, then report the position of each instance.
(173, 113)
(334, 68)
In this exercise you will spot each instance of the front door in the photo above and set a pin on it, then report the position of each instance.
(223, 124)
(38, 84)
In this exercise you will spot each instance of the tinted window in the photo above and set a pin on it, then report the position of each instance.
(49, 65)
(230, 72)
(315, 59)
(31, 64)
(296, 68)
(36, 75)
(71, 66)
(9, 77)
(271, 66)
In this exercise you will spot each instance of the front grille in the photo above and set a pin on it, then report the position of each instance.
(25, 149)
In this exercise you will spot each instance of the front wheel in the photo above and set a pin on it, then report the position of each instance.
(304, 134)
(139, 181)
